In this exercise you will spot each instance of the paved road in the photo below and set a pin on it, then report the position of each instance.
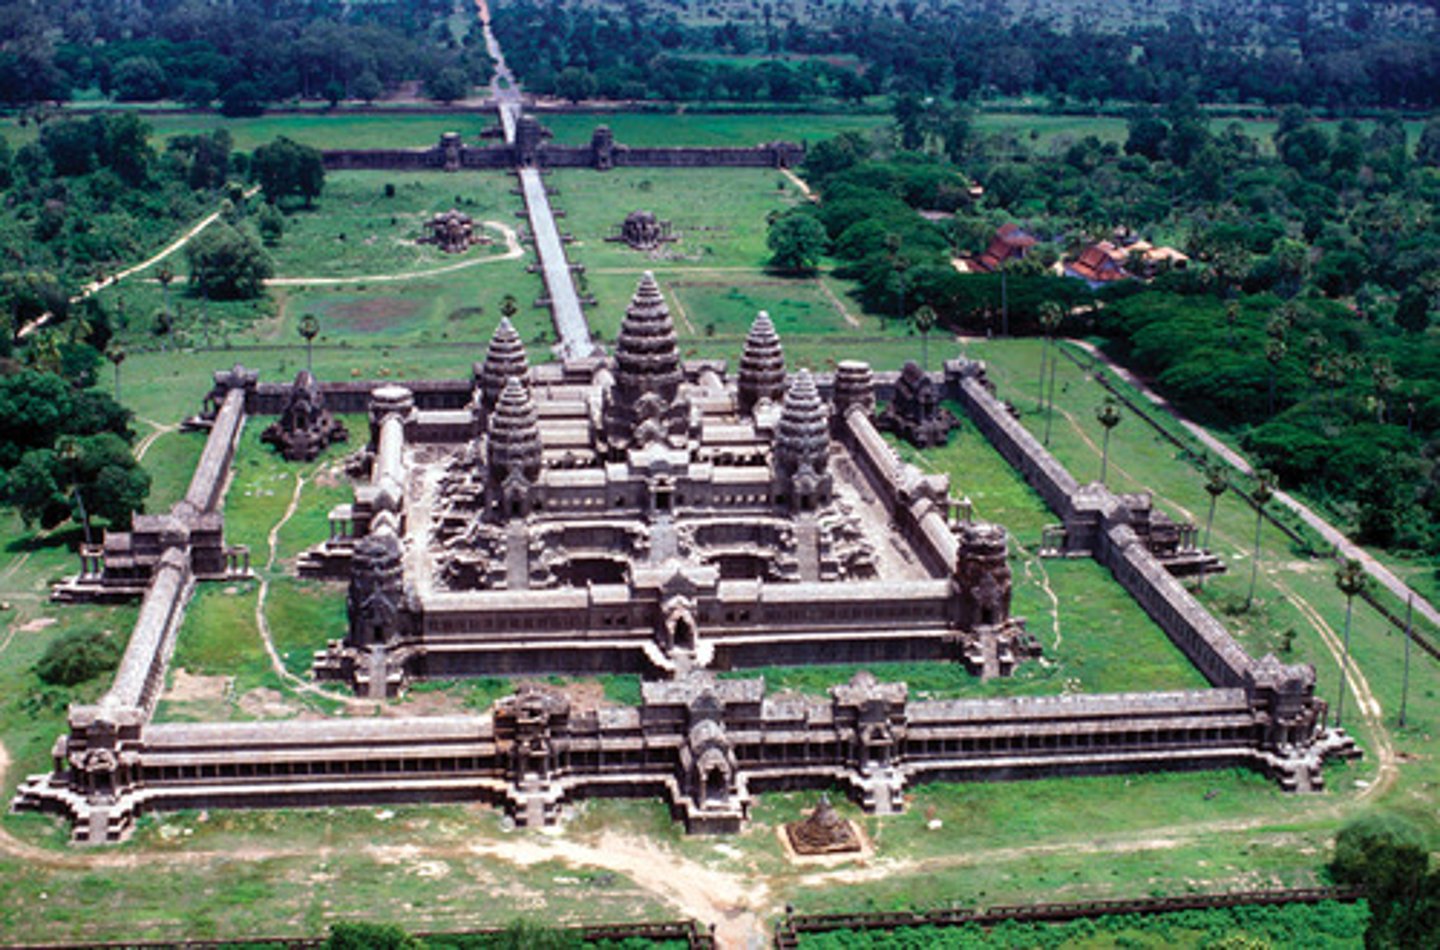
(570, 323)
(1332, 535)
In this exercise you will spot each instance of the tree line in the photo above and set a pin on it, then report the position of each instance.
(1303, 323)
(238, 56)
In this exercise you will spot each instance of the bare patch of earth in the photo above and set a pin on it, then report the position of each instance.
(264, 703)
(438, 703)
(373, 314)
(193, 687)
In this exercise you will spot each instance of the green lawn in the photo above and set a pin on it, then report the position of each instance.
(1294, 593)
(170, 461)
(718, 213)
(708, 129)
(357, 230)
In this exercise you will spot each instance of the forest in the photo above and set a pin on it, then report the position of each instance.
(240, 56)
(1302, 328)
(1298, 52)
(236, 56)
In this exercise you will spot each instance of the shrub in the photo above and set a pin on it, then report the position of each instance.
(78, 656)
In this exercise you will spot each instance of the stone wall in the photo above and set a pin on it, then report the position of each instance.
(141, 675)
(1192, 628)
(207, 484)
(770, 155)
(707, 745)
(1011, 439)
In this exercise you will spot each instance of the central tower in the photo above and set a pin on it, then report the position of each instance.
(644, 405)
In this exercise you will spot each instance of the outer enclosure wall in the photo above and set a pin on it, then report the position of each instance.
(1202, 638)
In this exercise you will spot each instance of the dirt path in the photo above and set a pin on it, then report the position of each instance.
(801, 184)
(1329, 532)
(736, 904)
(513, 250)
(849, 318)
(262, 622)
(1369, 707)
(160, 429)
(1033, 564)
(97, 285)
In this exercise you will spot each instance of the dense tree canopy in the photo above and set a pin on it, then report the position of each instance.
(285, 168)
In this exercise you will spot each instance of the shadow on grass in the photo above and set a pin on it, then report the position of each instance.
(68, 537)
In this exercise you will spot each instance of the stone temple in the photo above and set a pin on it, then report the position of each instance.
(644, 516)
(644, 513)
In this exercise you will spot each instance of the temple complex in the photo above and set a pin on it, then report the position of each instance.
(646, 516)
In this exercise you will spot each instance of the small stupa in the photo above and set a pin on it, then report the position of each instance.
(823, 832)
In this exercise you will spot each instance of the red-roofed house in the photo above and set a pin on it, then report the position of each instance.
(1100, 263)
(1011, 243)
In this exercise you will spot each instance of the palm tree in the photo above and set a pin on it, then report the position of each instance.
(924, 320)
(508, 306)
(1261, 494)
(1382, 376)
(1351, 578)
(165, 275)
(115, 353)
(1108, 415)
(1050, 403)
(1216, 482)
(1274, 354)
(309, 328)
(1050, 317)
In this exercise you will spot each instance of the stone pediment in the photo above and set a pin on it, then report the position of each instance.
(678, 579)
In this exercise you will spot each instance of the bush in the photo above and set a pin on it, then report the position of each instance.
(78, 656)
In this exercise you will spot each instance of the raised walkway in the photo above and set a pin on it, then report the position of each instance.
(570, 325)
(565, 310)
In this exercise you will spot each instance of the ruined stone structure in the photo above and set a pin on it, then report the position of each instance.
(524, 520)
(453, 232)
(915, 413)
(642, 231)
(305, 427)
(823, 832)
(124, 564)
